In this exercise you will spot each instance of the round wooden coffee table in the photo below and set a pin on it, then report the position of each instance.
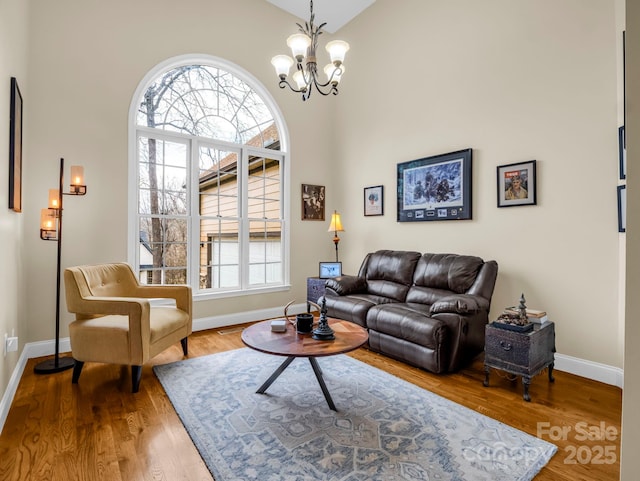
(348, 337)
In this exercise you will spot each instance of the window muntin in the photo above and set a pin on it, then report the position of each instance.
(211, 202)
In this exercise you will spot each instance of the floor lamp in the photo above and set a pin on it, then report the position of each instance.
(51, 230)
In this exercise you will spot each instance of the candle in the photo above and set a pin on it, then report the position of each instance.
(54, 199)
(77, 175)
(47, 219)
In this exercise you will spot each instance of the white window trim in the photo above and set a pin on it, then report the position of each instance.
(133, 129)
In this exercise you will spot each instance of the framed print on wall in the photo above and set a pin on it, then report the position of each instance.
(622, 153)
(15, 148)
(313, 202)
(374, 200)
(517, 184)
(622, 208)
(435, 188)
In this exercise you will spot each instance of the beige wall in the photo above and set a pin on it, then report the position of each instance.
(630, 465)
(13, 63)
(514, 81)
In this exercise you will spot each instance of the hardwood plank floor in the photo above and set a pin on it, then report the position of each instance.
(98, 430)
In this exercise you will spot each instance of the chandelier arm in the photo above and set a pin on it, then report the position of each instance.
(285, 83)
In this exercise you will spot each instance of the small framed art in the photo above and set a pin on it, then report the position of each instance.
(374, 200)
(517, 184)
(622, 208)
(435, 188)
(622, 153)
(313, 197)
(15, 148)
(330, 269)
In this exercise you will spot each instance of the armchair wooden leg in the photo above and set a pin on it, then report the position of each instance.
(185, 347)
(77, 369)
(136, 375)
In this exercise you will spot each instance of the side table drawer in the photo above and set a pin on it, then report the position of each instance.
(508, 349)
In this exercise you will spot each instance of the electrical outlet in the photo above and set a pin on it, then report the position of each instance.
(12, 344)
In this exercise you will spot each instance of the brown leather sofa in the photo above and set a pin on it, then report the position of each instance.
(429, 310)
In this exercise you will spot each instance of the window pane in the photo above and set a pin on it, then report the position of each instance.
(219, 253)
(264, 188)
(162, 177)
(265, 253)
(218, 182)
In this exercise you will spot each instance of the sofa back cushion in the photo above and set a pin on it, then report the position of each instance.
(439, 275)
(389, 273)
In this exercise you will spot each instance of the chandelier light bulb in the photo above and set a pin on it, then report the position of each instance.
(334, 74)
(298, 78)
(282, 64)
(299, 43)
(337, 50)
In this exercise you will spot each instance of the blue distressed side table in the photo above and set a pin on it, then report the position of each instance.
(315, 289)
(520, 353)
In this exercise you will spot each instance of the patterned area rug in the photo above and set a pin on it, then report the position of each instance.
(385, 429)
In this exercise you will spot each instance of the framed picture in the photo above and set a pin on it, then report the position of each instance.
(517, 184)
(374, 200)
(15, 148)
(435, 188)
(330, 269)
(622, 153)
(313, 202)
(622, 208)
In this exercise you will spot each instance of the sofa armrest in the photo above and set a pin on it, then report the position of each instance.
(345, 285)
(460, 304)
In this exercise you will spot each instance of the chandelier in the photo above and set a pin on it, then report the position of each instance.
(303, 46)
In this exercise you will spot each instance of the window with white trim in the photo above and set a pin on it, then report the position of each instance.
(209, 179)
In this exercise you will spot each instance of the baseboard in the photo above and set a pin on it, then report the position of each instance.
(589, 369)
(580, 367)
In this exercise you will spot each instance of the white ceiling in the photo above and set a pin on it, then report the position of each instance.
(337, 13)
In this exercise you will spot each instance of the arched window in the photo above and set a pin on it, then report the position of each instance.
(208, 167)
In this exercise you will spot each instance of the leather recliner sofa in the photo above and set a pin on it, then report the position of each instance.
(429, 310)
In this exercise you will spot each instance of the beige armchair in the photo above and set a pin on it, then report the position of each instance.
(115, 322)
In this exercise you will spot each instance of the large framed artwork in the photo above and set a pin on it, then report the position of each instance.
(517, 184)
(312, 202)
(15, 148)
(435, 188)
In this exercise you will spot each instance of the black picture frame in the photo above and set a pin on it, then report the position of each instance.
(622, 153)
(374, 200)
(329, 270)
(507, 176)
(15, 148)
(313, 202)
(622, 208)
(446, 193)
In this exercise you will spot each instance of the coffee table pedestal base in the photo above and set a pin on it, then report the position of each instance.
(316, 370)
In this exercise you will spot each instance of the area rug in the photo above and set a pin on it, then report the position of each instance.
(385, 429)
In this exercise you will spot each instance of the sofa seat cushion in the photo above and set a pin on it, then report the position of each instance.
(408, 321)
(354, 308)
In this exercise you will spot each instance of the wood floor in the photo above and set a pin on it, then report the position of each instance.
(98, 430)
